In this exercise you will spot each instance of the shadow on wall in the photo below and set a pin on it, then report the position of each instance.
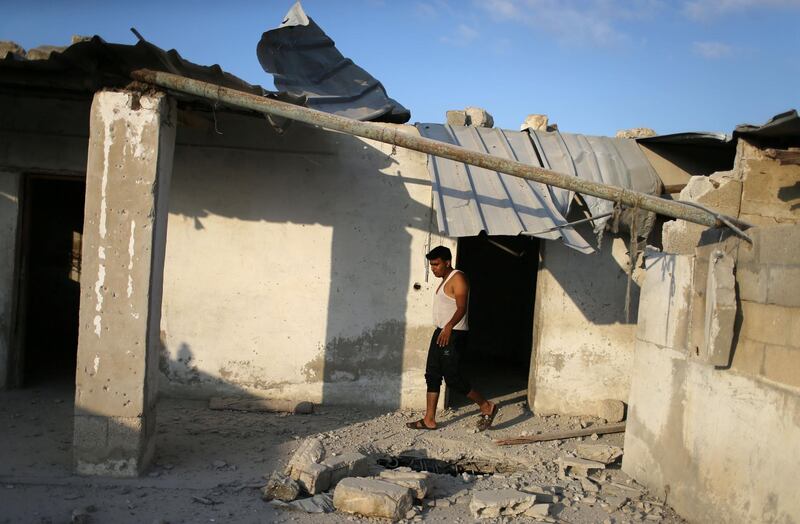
(310, 177)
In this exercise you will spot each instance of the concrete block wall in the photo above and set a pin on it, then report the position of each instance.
(722, 442)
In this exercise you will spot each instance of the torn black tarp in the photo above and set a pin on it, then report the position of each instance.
(305, 62)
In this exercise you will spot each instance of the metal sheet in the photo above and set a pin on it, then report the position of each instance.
(305, 62)
(470, 200)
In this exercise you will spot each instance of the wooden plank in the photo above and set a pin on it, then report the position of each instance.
(261, 404)
(561, 435)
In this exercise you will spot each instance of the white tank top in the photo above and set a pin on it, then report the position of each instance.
(444, 307)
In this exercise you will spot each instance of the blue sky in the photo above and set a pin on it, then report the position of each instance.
(593, 66)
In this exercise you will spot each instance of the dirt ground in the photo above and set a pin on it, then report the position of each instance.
(209, 465)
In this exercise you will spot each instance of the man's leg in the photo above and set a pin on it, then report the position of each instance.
(432, 399)
(454, 373)
(485, 406)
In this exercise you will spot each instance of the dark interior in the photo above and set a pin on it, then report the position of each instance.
(502, 293)
(50, 279)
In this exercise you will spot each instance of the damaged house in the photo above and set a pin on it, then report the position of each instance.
(161, 243)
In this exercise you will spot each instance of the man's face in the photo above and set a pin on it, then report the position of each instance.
(439, 267)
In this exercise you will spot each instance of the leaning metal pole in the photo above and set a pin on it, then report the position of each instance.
(396, 136)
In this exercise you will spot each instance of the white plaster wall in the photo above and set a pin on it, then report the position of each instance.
(583, 345)
(9, 212)
(291, 263)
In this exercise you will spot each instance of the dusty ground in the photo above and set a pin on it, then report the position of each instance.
(210, 464)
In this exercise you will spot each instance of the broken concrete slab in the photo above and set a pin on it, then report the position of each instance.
(314, 478)
(538, 510)
(577, 466)
(502, 502)
(417, 481)
(310, 451)
(534, 122)
(321, 503)
(347, 465)
(372, 498)
(479, 117)
(599, 452)
(456, 118)
(281, 487)
(635, 132)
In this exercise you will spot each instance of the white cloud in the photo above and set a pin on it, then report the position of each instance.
(462, 36)
(594, 22)
(705, 9)
(711, 50)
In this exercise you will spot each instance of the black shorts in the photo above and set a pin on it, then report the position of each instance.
(445, 362)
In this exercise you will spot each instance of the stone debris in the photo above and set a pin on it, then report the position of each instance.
(417, 481)
(372, 497)
(538, 510)
(347, 465)
(310, 451)
(588, 485)
(282, 487)
(599, 452)
(635, 132)
(80, 516)
(502, 502)
(456, 118)
(534, 122)
(471, 116)
(578, 467)
(321, 503)
(479, 117)
(313, 478)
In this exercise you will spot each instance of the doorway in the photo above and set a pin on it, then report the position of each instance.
(502, 276)
(49, 279)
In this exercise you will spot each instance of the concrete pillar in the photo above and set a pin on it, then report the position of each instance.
(131, 145)
(9, 213)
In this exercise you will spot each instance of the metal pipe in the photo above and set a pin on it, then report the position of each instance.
(394, 135)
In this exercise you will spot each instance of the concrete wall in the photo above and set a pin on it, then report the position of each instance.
(9, 212)
(291, 257)
(297, 255)
(583, 344)
(723, 442)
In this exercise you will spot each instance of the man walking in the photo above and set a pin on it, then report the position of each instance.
(449, 342)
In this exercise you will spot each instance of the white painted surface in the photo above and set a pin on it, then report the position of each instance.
(296, 256)
(9, 212)
(583, 346)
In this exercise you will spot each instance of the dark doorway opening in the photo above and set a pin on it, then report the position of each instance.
(49, 279)
(502, 275)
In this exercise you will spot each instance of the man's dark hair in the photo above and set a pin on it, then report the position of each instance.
(439, 252)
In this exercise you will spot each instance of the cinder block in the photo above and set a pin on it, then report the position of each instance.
(748, 357)
(783, 286)
(418, 482)
(314, 478)
(778, 244)
(752, 279)
(372, 498)
(770, 324)
(782, 364)
(347, 465)
(456, 118)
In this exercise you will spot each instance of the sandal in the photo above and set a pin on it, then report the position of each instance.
(485, 421)
(418, 424)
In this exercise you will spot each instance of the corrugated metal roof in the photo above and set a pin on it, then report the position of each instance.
(470, 200)
(94, 64)
(305, 62)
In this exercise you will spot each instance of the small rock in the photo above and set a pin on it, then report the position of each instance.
(479, 117)
(372, 497)
(80, 516)
(219, 464)
(281, 487)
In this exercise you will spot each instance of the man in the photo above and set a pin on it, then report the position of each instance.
(449, 342)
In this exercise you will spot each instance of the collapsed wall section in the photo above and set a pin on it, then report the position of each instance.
(716, 429)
